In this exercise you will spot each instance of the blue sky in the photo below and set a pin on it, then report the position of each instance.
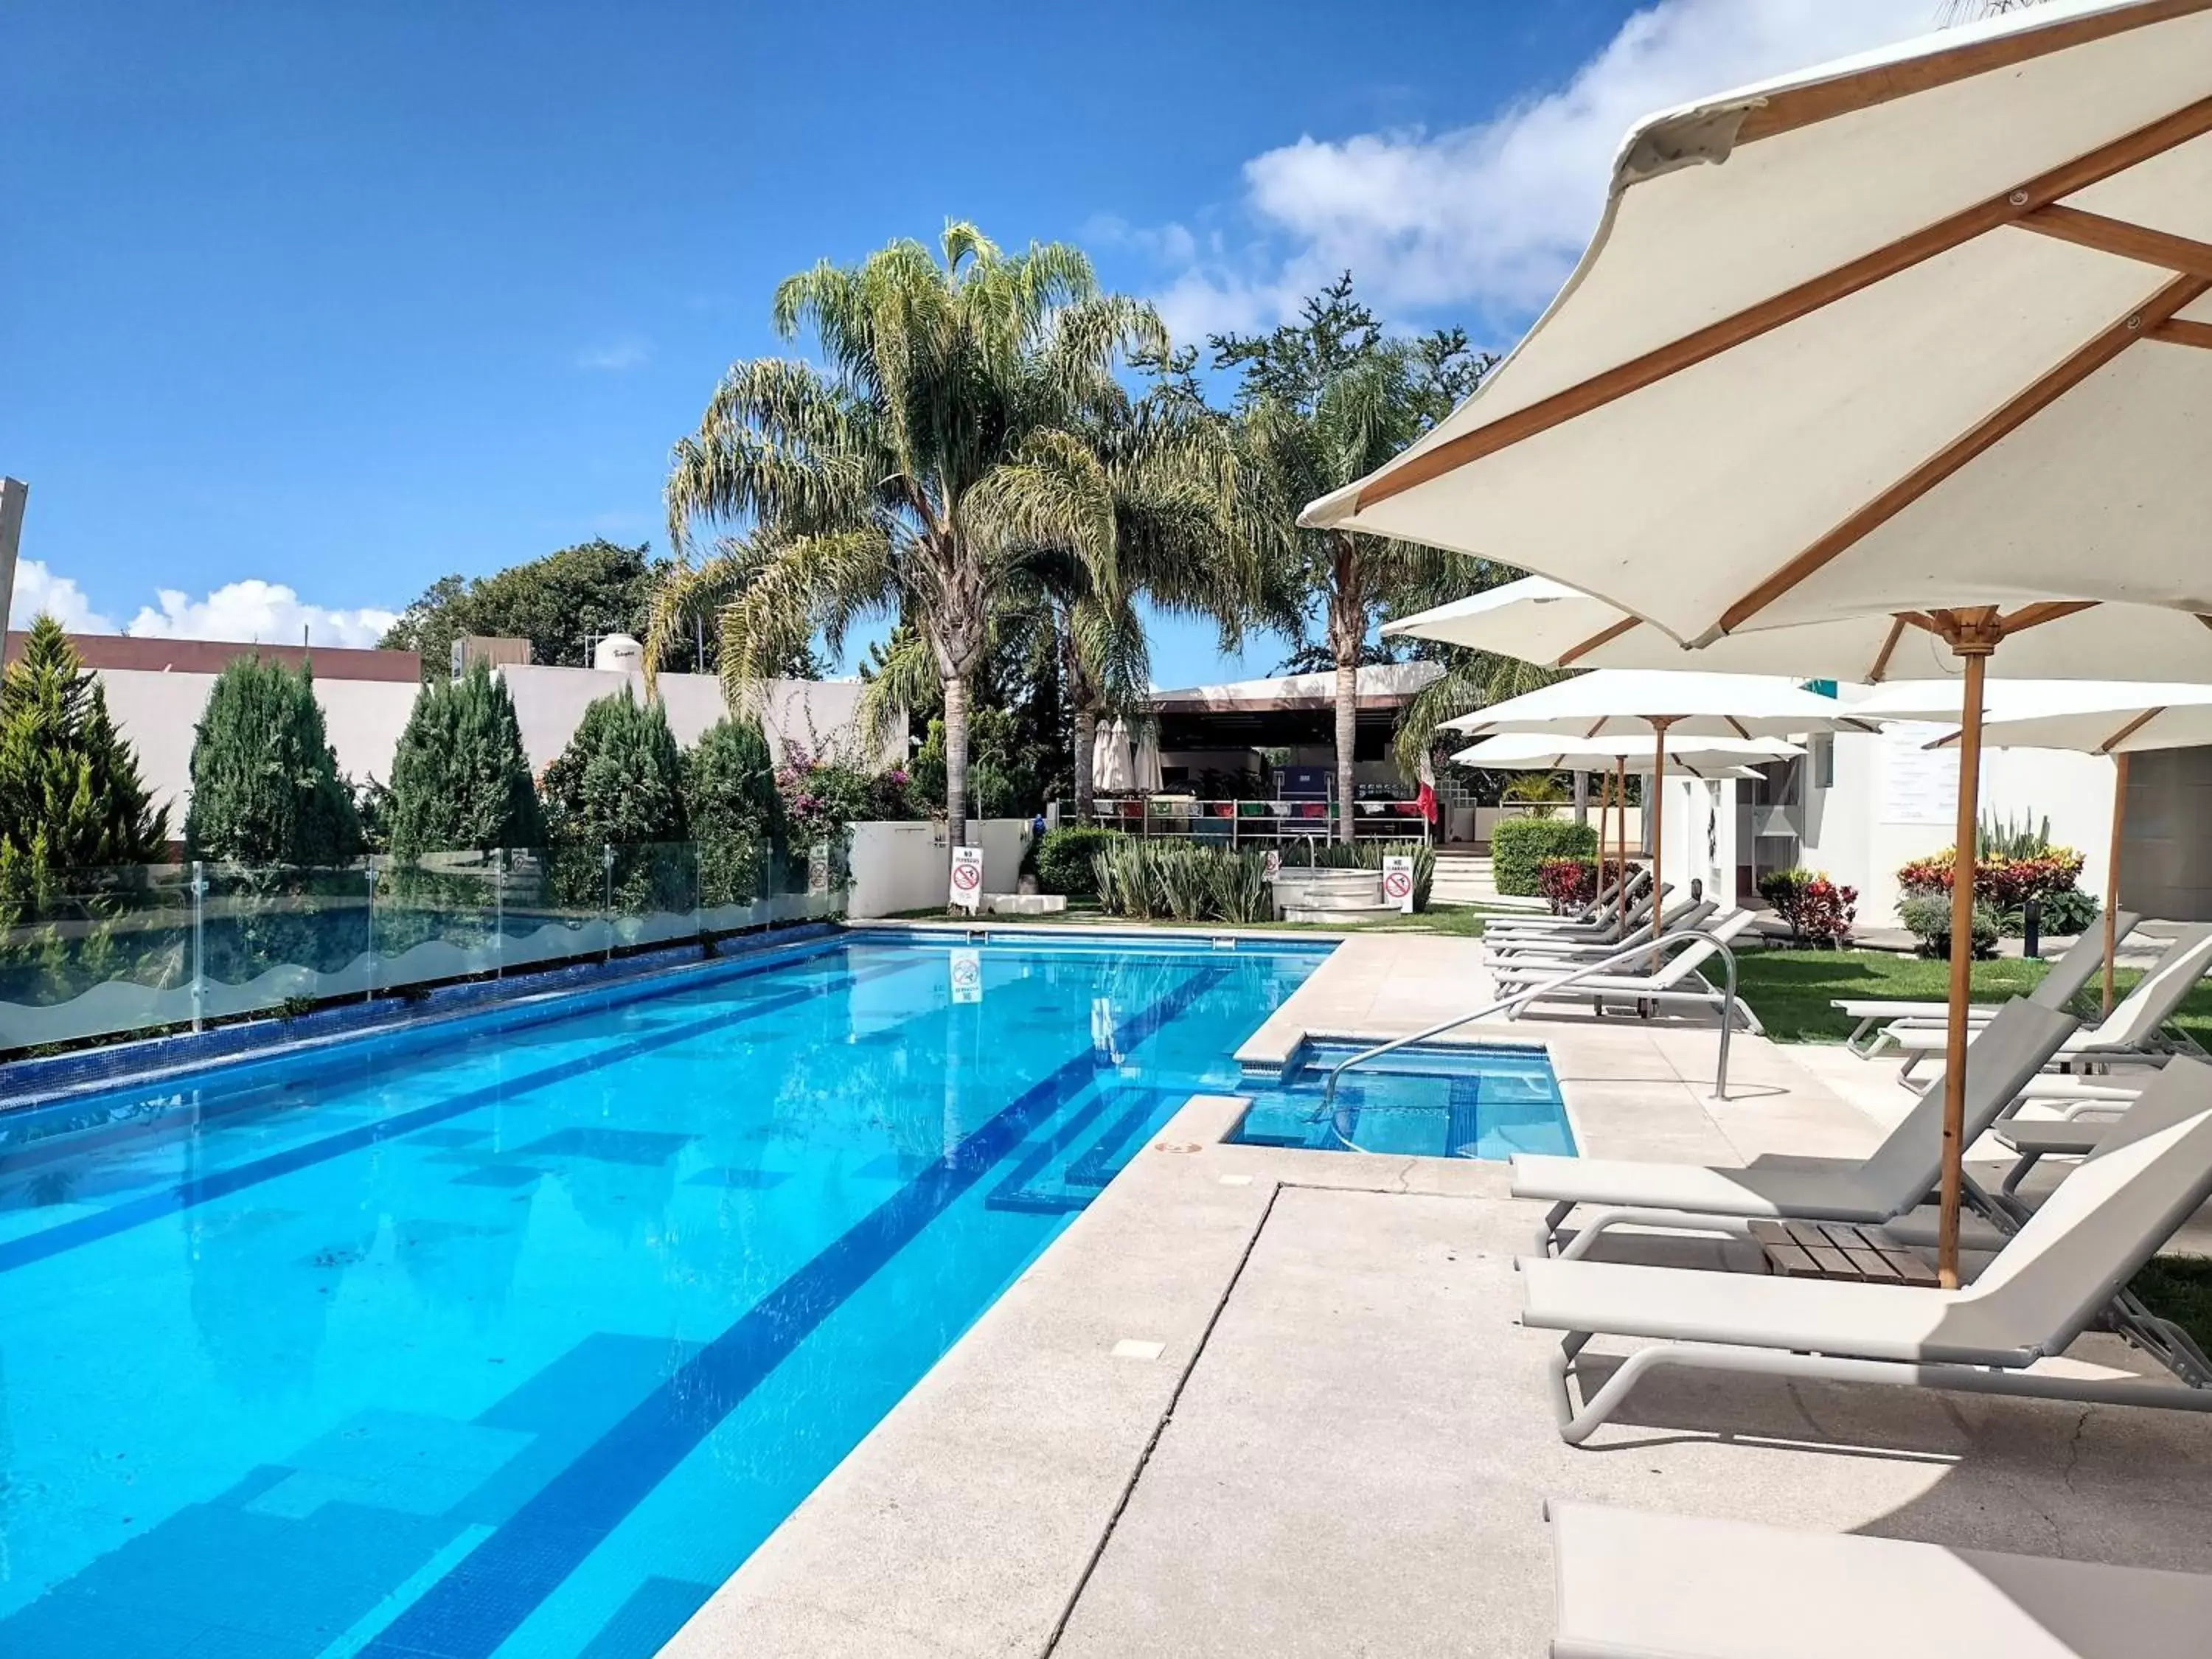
(306, 306)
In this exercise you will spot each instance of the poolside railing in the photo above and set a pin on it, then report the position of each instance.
(142, 948)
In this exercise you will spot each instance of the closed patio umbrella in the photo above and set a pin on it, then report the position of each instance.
(1115, 775)
(1145, 767)
(1919, 340)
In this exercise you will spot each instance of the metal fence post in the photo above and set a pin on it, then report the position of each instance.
(499, 913)
(607, 863)
(368, 989)
(199, 943)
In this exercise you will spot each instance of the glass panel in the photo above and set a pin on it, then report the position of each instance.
(86, 953)
(437, 917)
(284, 936)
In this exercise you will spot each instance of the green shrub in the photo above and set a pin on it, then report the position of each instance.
(1927, 916)
(1518, 847)
(1183, 877)
(1123, 873)
(2072, 911)
(266, 785)
(619, 783)
(1184, 880)
(1067, 860)
(460, 780)
(736, 814)
(1241, 894)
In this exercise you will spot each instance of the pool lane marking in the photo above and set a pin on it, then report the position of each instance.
(485, 1600)
(219, 1183)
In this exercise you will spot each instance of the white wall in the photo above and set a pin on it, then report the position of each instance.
(820, 716)
(1698, 840)
(157, 712)
(909, 866)
(1895, 800)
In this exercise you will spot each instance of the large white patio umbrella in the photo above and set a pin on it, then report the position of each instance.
(2118, 718)
(1111, 772)
(1920, 336)
(1623, 703)
(1705, 758)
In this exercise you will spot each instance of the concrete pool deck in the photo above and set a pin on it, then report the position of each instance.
(1259, 1401)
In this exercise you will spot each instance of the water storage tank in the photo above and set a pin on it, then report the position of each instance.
(619, 653)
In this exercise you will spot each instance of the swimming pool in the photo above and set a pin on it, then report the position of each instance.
(1426, 1100)
(517, 1335)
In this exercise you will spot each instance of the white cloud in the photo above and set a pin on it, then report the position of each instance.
(38, 591)
(258, 611)
(1493, 216)
(615, 358)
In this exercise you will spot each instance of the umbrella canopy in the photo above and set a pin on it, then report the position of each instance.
(1691, 708)
(1554, 626)
(1710, 757)
(1933, 339)
(1932, 346)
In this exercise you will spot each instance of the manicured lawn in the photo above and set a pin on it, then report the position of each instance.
(1791, 989)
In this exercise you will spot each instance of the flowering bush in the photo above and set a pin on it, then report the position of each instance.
(1567, 883)
(821, 797)
(1819, 911)
(2004, 885)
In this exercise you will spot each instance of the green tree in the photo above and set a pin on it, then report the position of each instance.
(917, 473)
(70, 796)
(460, 780)
(265, 784)
(557, 603)
(736, 815)
(1321, 402)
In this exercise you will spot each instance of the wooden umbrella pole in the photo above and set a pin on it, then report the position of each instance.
(1654, 806)
(1974, 644)
(2112, 873)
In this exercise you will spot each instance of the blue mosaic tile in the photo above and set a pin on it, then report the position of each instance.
(450, 1138)
(498, 1175)
(646, 1623)
(755, 1179)
(414, 1464)
(640, 1146)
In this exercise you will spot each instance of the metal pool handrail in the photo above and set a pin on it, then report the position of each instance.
(1651, 948)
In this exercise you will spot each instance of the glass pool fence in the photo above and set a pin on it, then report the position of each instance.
(141, 948)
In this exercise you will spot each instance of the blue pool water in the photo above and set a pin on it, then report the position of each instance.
(1436, 1102)
(515, 1338)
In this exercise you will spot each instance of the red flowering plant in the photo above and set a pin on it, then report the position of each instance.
(1567, 883)
(1819, 911)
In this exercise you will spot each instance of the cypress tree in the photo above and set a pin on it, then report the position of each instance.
(70, 795)
(266, 785)
(729, 789)
(460, 780)
(621, 778)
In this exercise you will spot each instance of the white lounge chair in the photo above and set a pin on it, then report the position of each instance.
(1675, 983)
(1600, 911)
(2071, 973)
(1621, 923)
(1679, 917)
(1632, 1585)
(2128, 1036)
(2047, 1285)
(1899, 1175)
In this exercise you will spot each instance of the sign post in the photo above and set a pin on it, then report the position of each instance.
(1398, 882)
(968, 877)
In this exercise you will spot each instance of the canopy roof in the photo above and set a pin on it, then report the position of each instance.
(1624, 702)
(1922, 329)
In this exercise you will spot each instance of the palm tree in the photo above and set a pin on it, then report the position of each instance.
(1325, 402)
(919, 474)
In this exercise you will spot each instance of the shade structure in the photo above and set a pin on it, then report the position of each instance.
(1921, 337)
(2115, 718)
(1655, 705)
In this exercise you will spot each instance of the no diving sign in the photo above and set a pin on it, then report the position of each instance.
(1398, 882)
(968, 876)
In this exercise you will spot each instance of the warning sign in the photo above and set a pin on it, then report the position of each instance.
(968, 877)
(1270, 864)
(1398, 882)
(967, 975)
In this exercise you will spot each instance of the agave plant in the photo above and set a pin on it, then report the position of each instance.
(1184, 879)
(1240, 888)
